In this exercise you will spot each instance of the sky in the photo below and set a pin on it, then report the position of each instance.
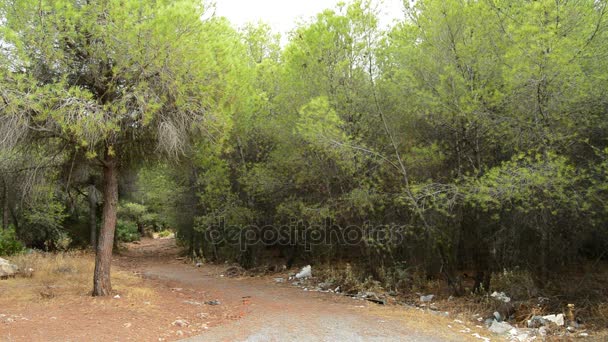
(282, 15)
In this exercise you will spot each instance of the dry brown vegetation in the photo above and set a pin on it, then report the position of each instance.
(50, 300)
(45, 276)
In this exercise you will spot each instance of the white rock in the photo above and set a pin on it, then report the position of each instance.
(557, 319)
(306, 272)
(7, 269)
(117, 297)
(427, 298)
(180, 323)
(500, 327)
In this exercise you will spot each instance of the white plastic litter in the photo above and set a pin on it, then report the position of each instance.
(306, 272)
(501, 296)
(557, 319)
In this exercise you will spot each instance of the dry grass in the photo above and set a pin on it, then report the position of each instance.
(50, 276)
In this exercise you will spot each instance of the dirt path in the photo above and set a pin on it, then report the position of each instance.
(279, 312)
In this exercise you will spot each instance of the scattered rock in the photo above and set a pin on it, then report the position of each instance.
(433, 307)
(117, 297)
(7, 269)
(181, 323)
(325, 286)
(234, 271)
(127, 325)
(500, 327)
(306, 272)
(583, 334)
(213, 302)
(279, 280)
(427, 298)
(179, 333)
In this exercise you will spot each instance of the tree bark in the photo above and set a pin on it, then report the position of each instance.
(93, 216)
(5, 205)
(101, 280)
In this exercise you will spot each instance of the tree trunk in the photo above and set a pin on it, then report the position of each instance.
(93, 216)
(5, 206)
(101, 280)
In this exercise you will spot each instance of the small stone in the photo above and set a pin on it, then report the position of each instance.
(427, 298)
(127, 325)
(181, 323)
(325, 286)
(279, 280)
(117, 297)
(213, 302)
(179, 333)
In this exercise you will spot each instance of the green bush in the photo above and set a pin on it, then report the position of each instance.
(9, 244)
(126, 231)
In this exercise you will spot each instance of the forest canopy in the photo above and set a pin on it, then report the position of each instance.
(472, 132)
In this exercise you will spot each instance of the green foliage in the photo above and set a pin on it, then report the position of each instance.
(126, 231)
(478, 127)
(9, 243)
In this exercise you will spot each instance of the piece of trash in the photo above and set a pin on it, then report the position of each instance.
(485, 339)
(117, 297)
(557, 319)
(213, 302)
(199, 264)
(191, 302)
(306, 272)
(279, 280)
(127, 325)
(500, 327)
(501, 296)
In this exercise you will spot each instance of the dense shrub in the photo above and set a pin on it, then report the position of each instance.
(126, 231)
(9, 244)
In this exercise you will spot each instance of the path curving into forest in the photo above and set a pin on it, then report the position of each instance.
(280, 312)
